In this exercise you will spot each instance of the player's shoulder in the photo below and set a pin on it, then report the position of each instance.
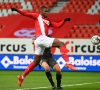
(35, 15)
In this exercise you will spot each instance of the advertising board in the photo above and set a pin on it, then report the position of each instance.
(24, 46)
(20, 62)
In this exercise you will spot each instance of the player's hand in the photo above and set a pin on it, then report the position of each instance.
(33, 42)
(67, 19)
(13, 9)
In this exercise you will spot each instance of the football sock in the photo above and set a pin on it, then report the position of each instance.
(64, 53)
(58, 78)
(49, 76)
(28, 70)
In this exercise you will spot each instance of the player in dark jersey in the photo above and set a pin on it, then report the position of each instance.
(48, 61)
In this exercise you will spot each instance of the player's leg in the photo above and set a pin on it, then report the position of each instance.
(44, 64)
(30, 67)
(37, 57)
(52, 42)
(64, 52)
(53, 64)
(58, 76)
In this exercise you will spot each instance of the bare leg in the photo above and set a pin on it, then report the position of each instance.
(57, 69)
(45, 66)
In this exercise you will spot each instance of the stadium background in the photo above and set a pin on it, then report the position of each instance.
(16, 31)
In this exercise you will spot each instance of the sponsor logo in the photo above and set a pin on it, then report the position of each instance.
(46, 21)
(13, 47)
(61, 62)
(85, 62)
(78, 47)
(83, 48)
(6, 61)
(81, 62)
(28, 33)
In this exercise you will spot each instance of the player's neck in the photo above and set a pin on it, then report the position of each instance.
(43, 16)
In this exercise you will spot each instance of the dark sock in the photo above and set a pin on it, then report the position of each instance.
(58, 78)
(49, 76)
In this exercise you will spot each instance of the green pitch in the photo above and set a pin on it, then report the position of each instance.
(38, 81)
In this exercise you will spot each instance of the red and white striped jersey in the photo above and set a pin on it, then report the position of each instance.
(41, 24)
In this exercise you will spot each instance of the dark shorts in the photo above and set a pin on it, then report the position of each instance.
(50, 61)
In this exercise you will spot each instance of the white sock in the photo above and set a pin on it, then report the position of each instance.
(22, 77)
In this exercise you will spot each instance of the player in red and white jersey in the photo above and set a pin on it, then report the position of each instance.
(42, 23)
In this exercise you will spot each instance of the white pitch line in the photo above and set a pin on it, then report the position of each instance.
(62, 86)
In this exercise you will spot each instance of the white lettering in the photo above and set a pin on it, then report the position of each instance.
(85, 62)
(46, 21)
(19, 67)
(22, 61)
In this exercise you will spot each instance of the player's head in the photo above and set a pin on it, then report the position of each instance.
(44, 11)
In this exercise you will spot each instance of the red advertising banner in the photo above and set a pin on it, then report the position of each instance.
(18, 26)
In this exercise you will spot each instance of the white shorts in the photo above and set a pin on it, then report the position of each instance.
(41, 43)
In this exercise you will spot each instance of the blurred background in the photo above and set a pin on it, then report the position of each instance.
(16, 31)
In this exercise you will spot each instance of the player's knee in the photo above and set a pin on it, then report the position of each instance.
(59, 44)
(58, 71)
(62, 43)
(47, 69)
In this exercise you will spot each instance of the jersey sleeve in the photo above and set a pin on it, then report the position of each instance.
(25, 13)
(54, 24)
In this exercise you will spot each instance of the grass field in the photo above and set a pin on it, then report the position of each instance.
(38, 81)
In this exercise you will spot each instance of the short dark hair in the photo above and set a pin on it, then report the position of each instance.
(43, 7)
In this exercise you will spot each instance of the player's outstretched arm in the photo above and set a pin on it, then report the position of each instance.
(25, 13)
(54, 24)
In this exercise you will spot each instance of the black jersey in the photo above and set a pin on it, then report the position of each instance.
(47, 53)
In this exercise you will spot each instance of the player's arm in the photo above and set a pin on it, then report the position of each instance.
(33, 42)
(33, 39)
(54, 24)
(25, 13)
